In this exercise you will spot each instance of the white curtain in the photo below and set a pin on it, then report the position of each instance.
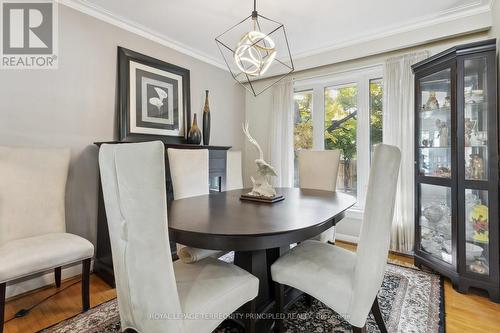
(398, 130)
(281, 134)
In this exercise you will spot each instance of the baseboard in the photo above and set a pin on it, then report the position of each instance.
(37, 281)
(347, 238)
(352, 240)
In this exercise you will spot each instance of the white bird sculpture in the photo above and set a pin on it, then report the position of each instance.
(261, 186)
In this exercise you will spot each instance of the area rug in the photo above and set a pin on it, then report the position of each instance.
(410, 300)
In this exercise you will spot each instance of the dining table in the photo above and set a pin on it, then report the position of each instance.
(258, 232)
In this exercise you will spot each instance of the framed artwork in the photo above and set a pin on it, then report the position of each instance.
(153, 99)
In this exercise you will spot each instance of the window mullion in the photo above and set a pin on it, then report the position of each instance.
(363, 139)
(318, 117)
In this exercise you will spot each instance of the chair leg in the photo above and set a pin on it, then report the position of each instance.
(378, 316)
(359, 329)
(250, 321)
(279, 291)
(57, 276)
(3, 286)
(85, 285)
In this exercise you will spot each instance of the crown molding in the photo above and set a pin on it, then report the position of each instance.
(139, 29)
(458, 13)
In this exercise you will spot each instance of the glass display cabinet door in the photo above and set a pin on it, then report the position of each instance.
(475, 164)
(477, 232)
(435, 111)
(476, 119)
(434, 125)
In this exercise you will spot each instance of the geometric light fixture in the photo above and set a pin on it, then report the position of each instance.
(256, 48)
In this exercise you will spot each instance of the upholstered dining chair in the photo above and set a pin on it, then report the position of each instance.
(33, 237)
(345, 281)
(234, 177)
(189, 174)
(318, 170)
(156, 295)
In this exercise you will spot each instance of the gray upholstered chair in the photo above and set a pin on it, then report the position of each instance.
(318, 169)
(189, 174)
(234, 178)
(345, 281)
(33, 237)
(156, 295)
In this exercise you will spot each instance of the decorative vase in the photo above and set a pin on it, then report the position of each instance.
(194, 135)
(206, 121)
(479, 216)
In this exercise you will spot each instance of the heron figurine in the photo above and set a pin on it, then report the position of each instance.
(261, 185)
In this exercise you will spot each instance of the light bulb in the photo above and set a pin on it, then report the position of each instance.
(254, 53)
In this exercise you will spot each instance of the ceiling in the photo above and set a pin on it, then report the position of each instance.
(313, 26)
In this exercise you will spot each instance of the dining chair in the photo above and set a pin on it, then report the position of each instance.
(156, 295)
(318, 169)
(189, 174)
(345, 281)
(33, 237)
(234, 177)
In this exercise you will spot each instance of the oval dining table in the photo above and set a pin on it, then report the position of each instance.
(258, 233)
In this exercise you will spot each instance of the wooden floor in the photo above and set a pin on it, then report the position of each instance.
(464, 313)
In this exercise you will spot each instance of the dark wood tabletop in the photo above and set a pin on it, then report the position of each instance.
(221, 221)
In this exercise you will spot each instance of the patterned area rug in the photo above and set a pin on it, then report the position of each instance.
(410, 301)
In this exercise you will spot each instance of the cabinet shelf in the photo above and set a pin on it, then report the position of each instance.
(442, 112)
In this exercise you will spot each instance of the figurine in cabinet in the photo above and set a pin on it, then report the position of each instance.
(432, 103)
(479, 266)
(476, 166)
(443, 171)
(447, 102)
(443, 133)
(469, 129)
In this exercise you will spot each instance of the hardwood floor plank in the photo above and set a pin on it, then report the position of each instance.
(464, 313)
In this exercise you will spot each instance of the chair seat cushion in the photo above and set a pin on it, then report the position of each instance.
(27, 256)
(210, 289)
(321, 270)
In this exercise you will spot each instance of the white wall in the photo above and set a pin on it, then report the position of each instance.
(74, 105)
(258, 109)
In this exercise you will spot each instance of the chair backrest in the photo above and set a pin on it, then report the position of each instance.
(133, 184)
(32, 191)
(189, 172)
(373, 246)
(234, 178)
(318, 169)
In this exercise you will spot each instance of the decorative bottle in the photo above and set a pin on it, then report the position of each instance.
(206, 121)
(194, 135)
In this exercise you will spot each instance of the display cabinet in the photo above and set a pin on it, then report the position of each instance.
(457, 166)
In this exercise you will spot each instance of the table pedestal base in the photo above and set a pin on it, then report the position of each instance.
(259, 263)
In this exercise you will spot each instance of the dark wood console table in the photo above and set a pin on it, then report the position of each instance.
(103, 265)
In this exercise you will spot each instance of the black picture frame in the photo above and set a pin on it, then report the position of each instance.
(125, 56)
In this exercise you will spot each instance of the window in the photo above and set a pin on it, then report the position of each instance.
(342, 112)
(341, 107)
(303, 129)
(376, 97)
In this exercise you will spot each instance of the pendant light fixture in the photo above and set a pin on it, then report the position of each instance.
(256, 48)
